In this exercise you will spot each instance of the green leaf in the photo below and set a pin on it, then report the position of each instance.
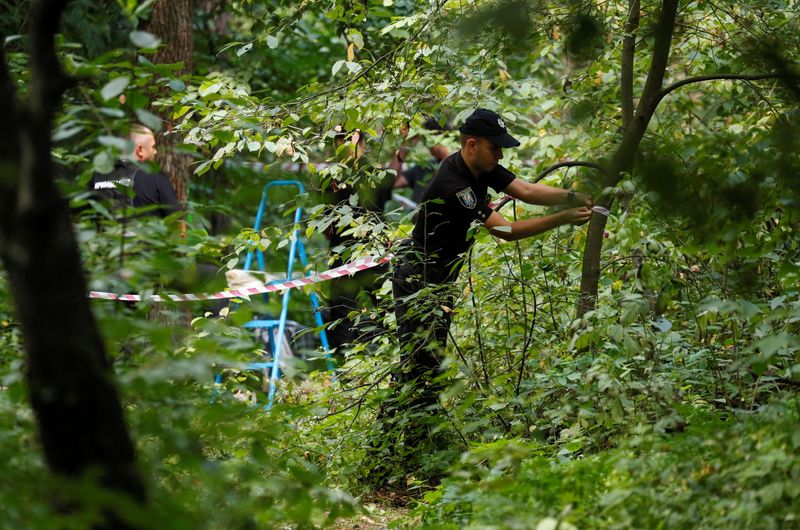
(203, 167)
(143, 39)
(747, 309)
(120, 144)
(229, 46)
(66, 131)
(103, 162)
(149, 119)
(177, 85)
(768, 346)
(112, 112)
(776, 302)
(663, 325)
(208, 88)
(115, 87)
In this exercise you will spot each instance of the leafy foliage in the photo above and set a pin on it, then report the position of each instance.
(672, 405)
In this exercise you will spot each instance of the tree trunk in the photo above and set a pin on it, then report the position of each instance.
(70, 380)
(171, 21)
(626, 61)
(623, 158)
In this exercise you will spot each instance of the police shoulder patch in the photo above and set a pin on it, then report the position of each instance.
(467, 198)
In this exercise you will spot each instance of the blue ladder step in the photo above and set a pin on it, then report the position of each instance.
(256, 324)
(260, 366)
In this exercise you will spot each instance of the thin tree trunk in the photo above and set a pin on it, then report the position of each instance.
(623, 158)
(70, 380)
(171, 21)
(627, 57)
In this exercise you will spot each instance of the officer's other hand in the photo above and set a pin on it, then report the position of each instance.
(578, 216)
(581, 199)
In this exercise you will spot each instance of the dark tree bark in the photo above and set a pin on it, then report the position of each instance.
(70, 380)
(622, 161)
(626, 60)
(171, 21)
(633, 132)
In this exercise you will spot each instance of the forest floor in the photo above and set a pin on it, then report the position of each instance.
(379, 512)
(377, 517)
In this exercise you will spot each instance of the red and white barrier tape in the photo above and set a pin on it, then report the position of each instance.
(338, 272)
(345, 270)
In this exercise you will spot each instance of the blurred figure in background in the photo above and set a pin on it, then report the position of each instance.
(365, 198)
(419, 176)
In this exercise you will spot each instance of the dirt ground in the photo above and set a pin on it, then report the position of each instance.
(379, 513)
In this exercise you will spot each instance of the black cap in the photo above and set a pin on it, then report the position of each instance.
(490, 125)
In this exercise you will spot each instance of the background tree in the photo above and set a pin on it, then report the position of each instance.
(69, 378)
(171, 21)
(634, 126)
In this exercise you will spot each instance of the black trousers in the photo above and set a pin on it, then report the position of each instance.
(349, 294)
(423, 318)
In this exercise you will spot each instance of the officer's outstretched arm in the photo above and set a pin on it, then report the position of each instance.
(511, 231)
(544, 195)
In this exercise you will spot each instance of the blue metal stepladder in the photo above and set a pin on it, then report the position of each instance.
(296, 250)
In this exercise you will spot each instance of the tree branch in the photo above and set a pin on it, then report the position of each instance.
(717, 77)
(624, 156)
(578, 163)
(546, 171)
(655, 77)
(363, 73)
(627, 56)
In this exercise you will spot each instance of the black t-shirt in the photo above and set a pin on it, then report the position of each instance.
(149, 188)
(419, 177)
(452, 202)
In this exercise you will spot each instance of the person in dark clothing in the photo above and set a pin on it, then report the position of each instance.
(148, 189)
(364, 199)
(433, 257)
(418, 176)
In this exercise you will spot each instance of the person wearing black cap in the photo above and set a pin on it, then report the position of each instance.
(433, 256)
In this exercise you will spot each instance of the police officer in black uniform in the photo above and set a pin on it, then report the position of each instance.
(149, 189)
(434, 255)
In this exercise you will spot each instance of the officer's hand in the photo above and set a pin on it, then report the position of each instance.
(578, 216)
(581, 199)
